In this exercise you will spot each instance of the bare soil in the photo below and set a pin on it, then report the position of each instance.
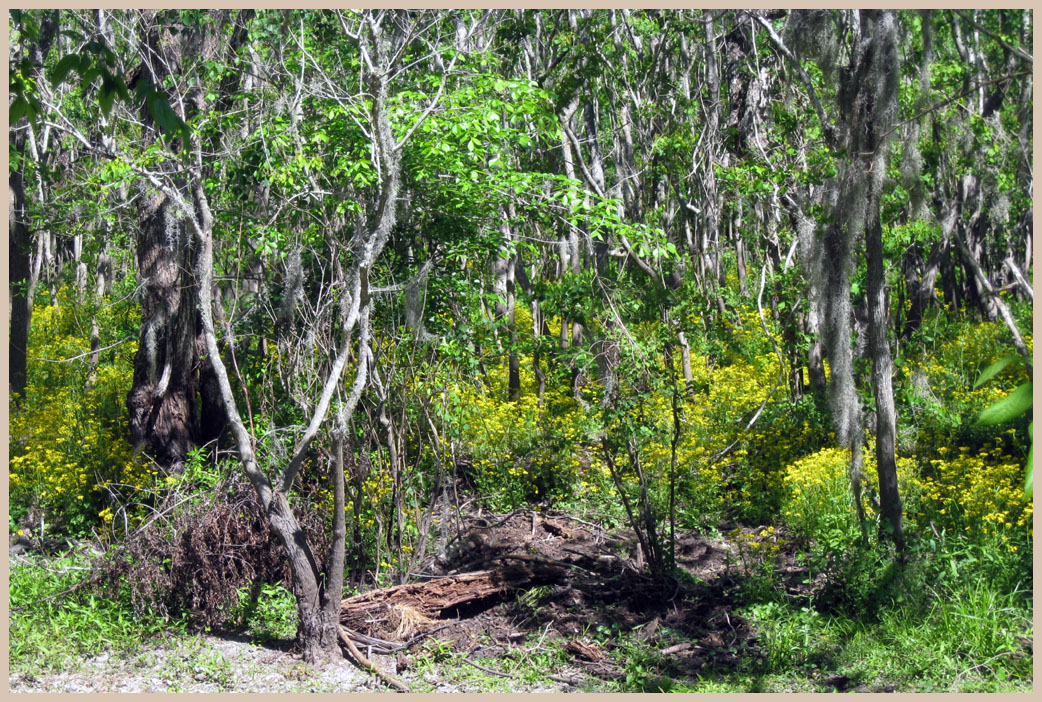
(578, 586)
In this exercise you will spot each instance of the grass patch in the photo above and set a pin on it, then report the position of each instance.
(963, 638)
(50, 631)
(198, 663)
(266, 613)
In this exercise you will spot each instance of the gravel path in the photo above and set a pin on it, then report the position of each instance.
(199, 664)
(211, 664)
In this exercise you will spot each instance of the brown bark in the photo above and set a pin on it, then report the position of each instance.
(19, 250)
(173, 402)
(442, 597)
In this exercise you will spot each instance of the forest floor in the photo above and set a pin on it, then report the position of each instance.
(591, 619)
(579, 629)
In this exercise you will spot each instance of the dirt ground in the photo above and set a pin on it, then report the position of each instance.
(586, 584)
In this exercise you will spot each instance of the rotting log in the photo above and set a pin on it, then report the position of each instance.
(442, 597)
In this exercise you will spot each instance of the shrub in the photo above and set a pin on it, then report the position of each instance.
(69, 454)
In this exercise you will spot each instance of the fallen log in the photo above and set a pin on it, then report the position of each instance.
(561, 530)
(404, 608)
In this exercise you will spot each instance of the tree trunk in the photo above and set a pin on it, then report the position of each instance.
(876, 105)
(20, 251)
(20, 244)
(173, 402)
(503, 267)
(162, 400)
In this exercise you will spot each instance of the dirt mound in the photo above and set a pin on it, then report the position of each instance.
(504, 579)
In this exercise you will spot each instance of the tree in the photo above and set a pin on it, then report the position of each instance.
(174, 405)
(867, 101)
(37, 36)
(873, 105)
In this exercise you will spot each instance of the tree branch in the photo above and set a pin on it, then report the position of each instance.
(826, 126)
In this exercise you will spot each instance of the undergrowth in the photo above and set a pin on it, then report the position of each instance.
(52, 631)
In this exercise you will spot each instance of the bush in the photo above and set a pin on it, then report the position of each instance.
(69, 455)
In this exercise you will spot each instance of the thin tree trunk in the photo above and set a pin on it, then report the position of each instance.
(20, 244)
(20, 252)
(879, 110)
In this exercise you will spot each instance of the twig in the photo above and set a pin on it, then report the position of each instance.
(85, 353)
(676, 649)
(25, 560)
(981, 665)
(564, 515)
(92, 580)
(366, 664)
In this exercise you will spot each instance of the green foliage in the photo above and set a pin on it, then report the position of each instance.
(757, 554)
(792, 636)
(266, 612)
(196, 661)
(485, 152)
(52, 631)
(1009, 408)
(947, 636)
(69, 457)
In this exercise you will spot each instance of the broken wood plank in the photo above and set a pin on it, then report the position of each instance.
(591, 652)
(442, 597)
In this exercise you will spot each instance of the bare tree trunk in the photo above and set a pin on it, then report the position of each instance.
(503, 268)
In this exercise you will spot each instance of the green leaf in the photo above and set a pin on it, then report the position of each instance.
(71, 33)
(87, 78)
(164, 115)
(107, 94)
(121, 88)
(85, 63)
(106, 97)
(994, 369)
(1009, 407)
(19, 108)
(61, 71)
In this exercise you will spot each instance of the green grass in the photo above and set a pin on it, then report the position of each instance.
(197, 662)
(266, 613)
(964, 638)
(51, 632)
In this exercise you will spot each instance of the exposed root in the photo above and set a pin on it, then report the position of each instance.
(367, 665)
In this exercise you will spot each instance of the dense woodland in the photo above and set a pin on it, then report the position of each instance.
(294, 292)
